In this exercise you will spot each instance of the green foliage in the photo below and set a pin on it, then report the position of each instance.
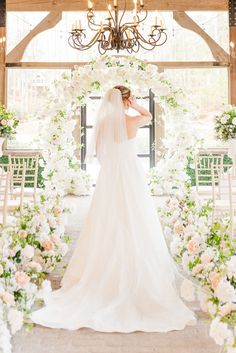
(8, 122)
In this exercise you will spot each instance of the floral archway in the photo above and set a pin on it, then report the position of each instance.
(69, 93)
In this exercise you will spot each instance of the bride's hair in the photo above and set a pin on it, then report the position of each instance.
(125, 91)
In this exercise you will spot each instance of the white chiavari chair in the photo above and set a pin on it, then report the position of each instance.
(4, 192)
(203, 171)
(17, 182)
(224, 197)
(31, 174)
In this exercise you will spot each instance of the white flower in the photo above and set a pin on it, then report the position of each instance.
(28, 251)
(33, 265)
(234, 121)
(187, 290)
(224, 119)
(225, 291)
(219, 331)
(16, 319)
(231, 266)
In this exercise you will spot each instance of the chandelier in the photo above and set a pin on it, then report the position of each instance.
(113, 34)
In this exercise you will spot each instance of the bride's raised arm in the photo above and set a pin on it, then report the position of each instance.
(144, 116)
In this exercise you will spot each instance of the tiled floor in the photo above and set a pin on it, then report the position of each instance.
(43, 340)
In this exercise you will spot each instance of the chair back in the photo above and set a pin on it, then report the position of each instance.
(203, 167)
(4, 190)
(31, 163)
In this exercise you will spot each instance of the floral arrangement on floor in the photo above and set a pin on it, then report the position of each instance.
(225, 124)
(8, 123)
(67, 95)
(206, 254)
(169, 175)
(29, 249)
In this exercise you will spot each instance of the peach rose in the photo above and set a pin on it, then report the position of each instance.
(22, 233)
(47, 245)
(178, 228)
(22, 279)
(206, 258)
(193, 247)
(57, 211)
(197, 269)
(214, 278)
(8, 298)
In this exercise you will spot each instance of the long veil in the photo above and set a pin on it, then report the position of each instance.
(109, 132)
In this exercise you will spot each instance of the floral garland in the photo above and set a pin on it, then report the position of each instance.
(206, 254)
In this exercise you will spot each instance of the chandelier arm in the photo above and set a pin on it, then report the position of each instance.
(91, 22)
(142, 19)
(78, 43)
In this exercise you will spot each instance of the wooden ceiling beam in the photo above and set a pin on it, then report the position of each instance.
(100, 5)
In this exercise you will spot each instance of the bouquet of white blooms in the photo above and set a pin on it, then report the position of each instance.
(225, 124)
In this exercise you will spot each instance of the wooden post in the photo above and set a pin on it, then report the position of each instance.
(232, 38)
(232, 69)
(3, 51)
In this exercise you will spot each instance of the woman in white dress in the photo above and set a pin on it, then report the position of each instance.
(121, 277)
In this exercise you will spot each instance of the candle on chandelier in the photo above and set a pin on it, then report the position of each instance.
(135, 6)
(102, 28)
(90, 5)
(162, 24)
(141, 2)
(80, 25)
(109, 7)
(115, 3)
(155, 21)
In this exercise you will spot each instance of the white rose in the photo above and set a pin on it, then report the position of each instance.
(231, 350)
(224, 119)
(231, 266)
(234, 121)
(28, 251)
(187, 290)
(224, 291)
(16, 319)
(63, 249)
(219, 331)
(33, 265)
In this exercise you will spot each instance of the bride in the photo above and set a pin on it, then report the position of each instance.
(121, 277)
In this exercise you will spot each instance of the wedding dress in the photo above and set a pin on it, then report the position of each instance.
(121, 277)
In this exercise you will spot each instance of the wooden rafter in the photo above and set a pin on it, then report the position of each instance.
(81, 5)
(48, 22)
(187, 22)
(161, 64)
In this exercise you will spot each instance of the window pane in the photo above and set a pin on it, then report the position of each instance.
(208, 90)
(25, 88)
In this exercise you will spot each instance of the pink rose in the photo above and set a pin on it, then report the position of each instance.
(22, 233)
(225, 309)
(8, 298)
(193, 247)
(178, 228)
(47, 244)
(4, 122)
(197, 269)
(55, 238)
(214, 278)
(22, 279)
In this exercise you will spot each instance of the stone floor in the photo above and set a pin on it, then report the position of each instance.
(43, 340)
